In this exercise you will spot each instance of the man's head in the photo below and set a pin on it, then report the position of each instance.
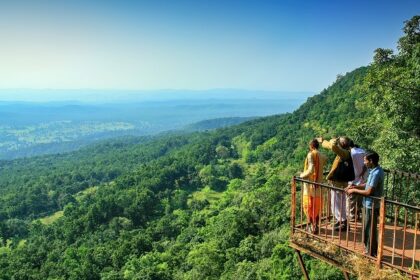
(314, 144)
(344, 142)
(352, 145)
(371, 159)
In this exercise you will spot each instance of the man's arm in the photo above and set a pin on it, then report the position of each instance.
(342, 153)
(333, 146)
(371, 184)
(356, 190)
(359, 187)
(310, 169)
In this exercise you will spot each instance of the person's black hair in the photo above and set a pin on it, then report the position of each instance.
(352, 145)
(372, 156)
(314, 143)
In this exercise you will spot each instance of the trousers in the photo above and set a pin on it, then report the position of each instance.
(338, 201)
(371, 232)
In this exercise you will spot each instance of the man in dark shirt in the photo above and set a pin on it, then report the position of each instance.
(373, 187)
(339, 146)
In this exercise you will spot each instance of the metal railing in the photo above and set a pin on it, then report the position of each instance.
(397, 226)
(402, 186)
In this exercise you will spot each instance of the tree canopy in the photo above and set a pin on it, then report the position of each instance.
(208, 205)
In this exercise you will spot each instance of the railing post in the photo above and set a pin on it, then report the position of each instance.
(415, 243)
(293, 205)
(381, 232)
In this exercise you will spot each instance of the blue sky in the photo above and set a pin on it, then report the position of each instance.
(196, 45)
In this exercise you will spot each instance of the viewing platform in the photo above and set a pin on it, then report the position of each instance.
(398, 252)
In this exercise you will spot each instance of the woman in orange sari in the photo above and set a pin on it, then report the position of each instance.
(313, 169)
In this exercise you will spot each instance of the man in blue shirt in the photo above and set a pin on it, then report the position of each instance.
(373, 187)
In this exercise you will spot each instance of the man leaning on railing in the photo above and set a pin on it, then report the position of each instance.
(354, 201)
(373, 187)
(340, 174)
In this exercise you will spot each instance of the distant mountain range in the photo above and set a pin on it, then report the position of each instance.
(95, 96)
(28, 128)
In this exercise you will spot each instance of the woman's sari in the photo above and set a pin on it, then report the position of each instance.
(311, 193)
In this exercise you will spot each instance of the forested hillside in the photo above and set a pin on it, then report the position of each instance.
(209, 205)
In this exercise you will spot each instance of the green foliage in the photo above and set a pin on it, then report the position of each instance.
(210, 205)
(51, 219)
(392, 94)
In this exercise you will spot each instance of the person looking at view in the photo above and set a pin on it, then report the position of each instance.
(373, 187)
(313, 167)
(340, 174)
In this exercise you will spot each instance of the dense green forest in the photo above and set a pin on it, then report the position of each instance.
(205, 205)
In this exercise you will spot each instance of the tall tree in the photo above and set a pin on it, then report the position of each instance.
(392, 87)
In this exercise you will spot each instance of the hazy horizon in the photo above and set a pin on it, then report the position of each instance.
(121, 96)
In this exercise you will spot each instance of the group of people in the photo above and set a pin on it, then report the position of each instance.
(355, 173)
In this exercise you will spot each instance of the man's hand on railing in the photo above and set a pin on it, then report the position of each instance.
(349, 187)
(354, 189)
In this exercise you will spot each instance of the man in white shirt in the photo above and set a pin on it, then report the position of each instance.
(360, 172)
